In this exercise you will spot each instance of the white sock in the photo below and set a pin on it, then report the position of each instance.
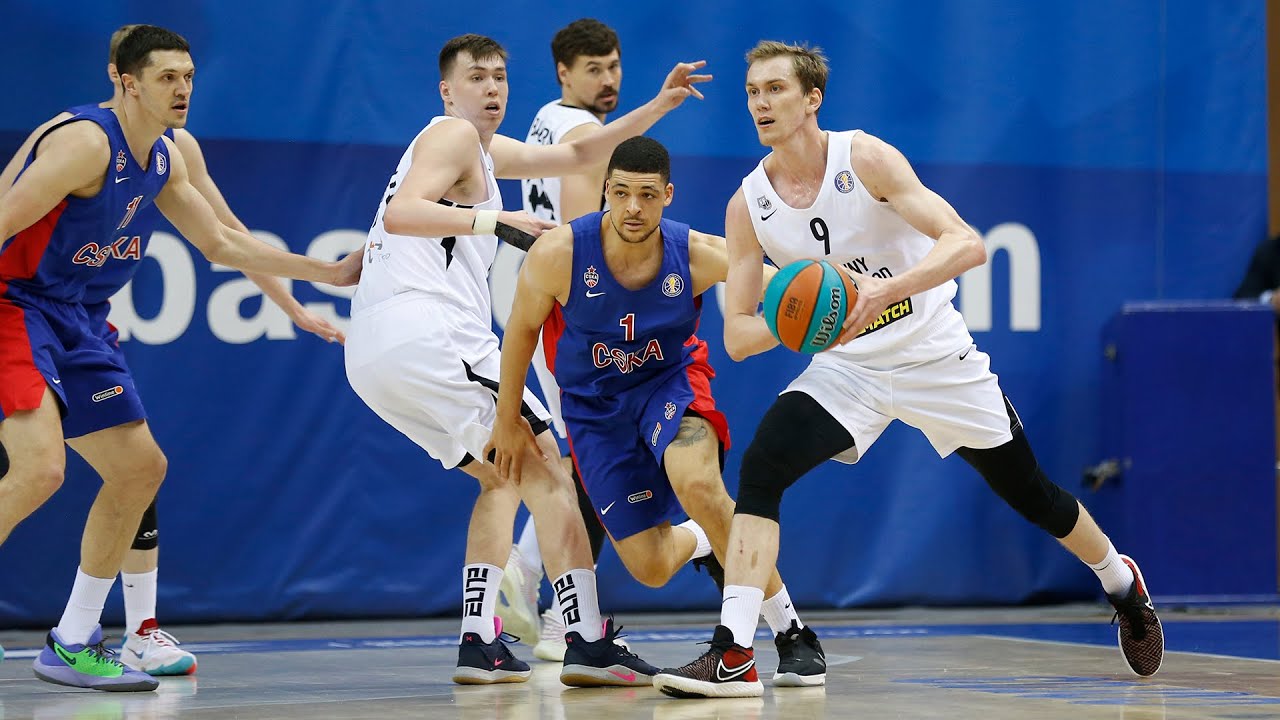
(579, 605)
(779, 613)
(702, 546)
(740, 612)
(1116, 577)
(530, 553)
(480, 583)
(139, 598)
(84, 608)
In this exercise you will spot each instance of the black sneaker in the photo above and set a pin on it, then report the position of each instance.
(1141, 636)
(726, 670)
(801, 662)
(713, 568)
(482, 663)
(603, 663)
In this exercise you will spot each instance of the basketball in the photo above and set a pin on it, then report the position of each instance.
(806, 303)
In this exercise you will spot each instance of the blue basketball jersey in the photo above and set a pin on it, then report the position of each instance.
(607, 340)
(80, 238)
(116, 274)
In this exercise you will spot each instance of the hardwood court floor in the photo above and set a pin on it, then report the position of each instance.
(1025, 663)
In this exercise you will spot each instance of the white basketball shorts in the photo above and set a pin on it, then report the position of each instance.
(430, 370)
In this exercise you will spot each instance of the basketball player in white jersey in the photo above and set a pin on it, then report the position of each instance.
(588, 66)
(852, 199)
(422, 354)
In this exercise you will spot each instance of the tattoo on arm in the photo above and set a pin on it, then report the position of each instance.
(692, 431)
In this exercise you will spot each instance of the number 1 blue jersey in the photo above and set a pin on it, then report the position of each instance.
(63, 252)
(608, 340)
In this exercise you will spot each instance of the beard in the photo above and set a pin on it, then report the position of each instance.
(604, 105)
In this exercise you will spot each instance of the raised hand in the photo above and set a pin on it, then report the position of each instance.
(680, 84)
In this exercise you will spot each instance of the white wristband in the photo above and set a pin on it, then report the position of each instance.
(485, 223)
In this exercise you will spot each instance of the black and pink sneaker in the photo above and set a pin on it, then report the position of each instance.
(1140, 634)
(482, 663)
(604, 662)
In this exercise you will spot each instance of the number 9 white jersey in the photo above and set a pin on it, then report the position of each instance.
(847, 226)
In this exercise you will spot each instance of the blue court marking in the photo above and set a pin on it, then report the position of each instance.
(1095, 691)
(1254, 639)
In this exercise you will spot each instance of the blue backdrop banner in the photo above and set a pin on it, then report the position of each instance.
(1106, 151)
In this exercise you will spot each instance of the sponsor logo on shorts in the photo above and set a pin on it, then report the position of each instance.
(893, 314)
(672, 285)
(669, 410)
(640, 496)
(657, 430)
(108, 394)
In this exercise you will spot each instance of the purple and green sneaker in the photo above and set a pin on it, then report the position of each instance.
(90, 665)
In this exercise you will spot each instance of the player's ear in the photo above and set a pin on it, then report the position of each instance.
(112, 73)
(444, 91)
(562, 73)
(815, 100)
(670, 193)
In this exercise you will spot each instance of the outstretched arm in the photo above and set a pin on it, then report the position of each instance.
(191, 214)
(543, 278)
(272, 287)
(888, 176)
(745, 332)
(514, 159)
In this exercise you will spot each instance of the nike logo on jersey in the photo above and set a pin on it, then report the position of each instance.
(604, 510)
(121, 179)
(726, 674)
(594, 294)
(56, 381)
(766, 217)
(965, 354)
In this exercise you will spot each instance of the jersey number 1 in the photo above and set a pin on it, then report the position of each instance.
(628, 323)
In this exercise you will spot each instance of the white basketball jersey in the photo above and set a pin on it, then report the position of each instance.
(847, 226)
(542, 195)
(452, 268)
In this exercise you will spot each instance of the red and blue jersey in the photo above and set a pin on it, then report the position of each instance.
(608, 340)
(83, 239)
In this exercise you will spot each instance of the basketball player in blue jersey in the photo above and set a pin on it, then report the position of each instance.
(618, 294)
(147, 647)
(853, 199)
(421, 350)
(587, 58)
(69, 214)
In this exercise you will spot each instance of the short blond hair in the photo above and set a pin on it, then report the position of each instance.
(809, 64)
(116, 37)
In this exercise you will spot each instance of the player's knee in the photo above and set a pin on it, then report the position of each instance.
(44, 478)
(648, 567)
(1014, 474)
(765, 475)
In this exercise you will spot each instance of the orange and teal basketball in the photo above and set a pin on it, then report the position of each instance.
(806, 304)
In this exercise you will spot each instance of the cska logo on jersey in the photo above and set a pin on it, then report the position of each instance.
(124, 248)
(591, 277)
(129, 211)
(120, 161)
(669, 410)
(161, 163)
(626, 362)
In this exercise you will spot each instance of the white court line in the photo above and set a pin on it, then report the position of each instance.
(1114, 647)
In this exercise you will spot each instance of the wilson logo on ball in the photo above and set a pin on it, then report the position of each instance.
(806, 304)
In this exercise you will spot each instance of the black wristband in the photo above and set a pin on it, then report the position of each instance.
(514, 237)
